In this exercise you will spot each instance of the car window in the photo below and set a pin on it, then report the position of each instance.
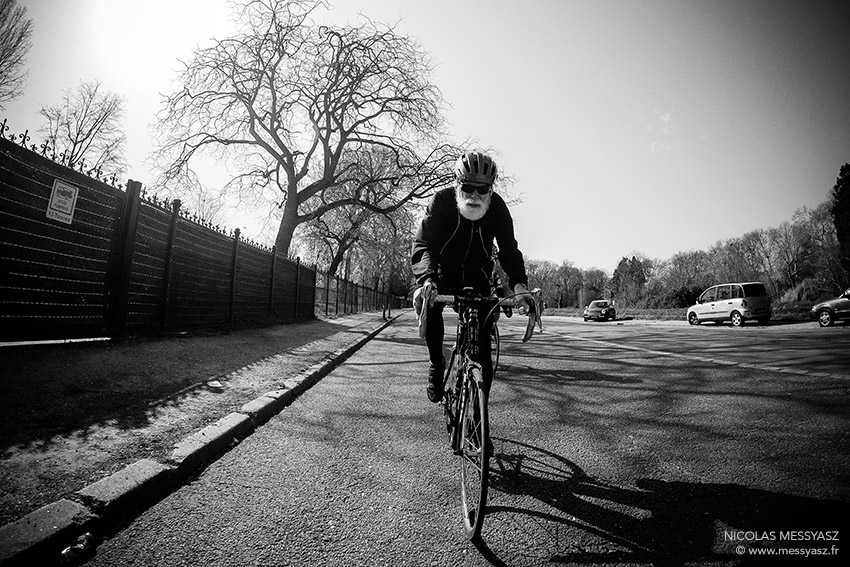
(724, 292)
(737, 292)
(709, 295)
(754, 290)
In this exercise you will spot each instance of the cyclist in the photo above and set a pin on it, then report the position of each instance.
(453, 249)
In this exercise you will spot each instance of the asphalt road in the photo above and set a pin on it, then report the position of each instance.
(627, 444)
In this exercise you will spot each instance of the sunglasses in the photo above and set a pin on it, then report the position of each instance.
(471, 188)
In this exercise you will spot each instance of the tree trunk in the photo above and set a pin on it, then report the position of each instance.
(337, 260)
(286, 229)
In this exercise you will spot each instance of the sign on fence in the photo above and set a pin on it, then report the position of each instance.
(63, 200)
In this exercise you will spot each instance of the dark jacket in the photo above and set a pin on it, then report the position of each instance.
(455, 252)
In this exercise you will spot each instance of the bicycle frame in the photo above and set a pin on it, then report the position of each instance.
(465, 401)
(466, 352)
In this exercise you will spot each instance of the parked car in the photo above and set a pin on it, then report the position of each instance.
(600, 310)
(735, 302)
(828, 312)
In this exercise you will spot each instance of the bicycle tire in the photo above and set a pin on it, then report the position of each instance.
(474, 456)
(494, 346)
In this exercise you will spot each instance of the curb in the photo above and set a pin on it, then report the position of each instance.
(102, 507)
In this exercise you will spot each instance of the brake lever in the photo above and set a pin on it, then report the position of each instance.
(534, 315)
(538, 307)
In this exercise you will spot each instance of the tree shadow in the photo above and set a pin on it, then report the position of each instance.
(58, 390)
(507, 371)
(657, 521)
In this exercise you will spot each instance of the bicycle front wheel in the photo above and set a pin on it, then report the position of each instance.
(494, 346)
(474, 454)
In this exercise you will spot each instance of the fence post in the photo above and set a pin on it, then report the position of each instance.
(336, 297)
(297, 282)
(327, 291)
(126, 245)
(271, 284)
(230, 315)
(169, 262)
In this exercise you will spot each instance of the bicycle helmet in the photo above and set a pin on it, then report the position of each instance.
(475, 167)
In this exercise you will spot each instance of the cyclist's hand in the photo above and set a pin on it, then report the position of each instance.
(425, 295)
(525, 301)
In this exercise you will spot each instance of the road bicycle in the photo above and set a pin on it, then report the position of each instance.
(465, 397)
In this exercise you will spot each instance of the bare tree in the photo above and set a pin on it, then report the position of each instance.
(199, 199)
(15, 43)
(820, 224)
(383, 253)
(341, 229)
(542, 274)
(793, 248)
(571, 280)
(331, 236)
(85, 129)
(284, 101)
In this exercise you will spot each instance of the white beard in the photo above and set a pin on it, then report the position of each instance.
(470, 212)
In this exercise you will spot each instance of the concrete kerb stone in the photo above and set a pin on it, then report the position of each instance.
(39, 536)
(198, 449)
(119, 495)
(262, 409)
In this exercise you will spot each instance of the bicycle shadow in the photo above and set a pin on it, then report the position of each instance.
(655, 521)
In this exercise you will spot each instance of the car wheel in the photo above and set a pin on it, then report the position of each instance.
(737, 319)
(825, 318)
(585, 319)
(693, 319)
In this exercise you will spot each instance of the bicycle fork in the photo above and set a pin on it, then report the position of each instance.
(462, 395)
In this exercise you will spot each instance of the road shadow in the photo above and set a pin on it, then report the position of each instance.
(788, 322)
(656, 521)
(509, 372)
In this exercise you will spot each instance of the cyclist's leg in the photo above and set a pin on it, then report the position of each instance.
(486, 360)
(434, 333)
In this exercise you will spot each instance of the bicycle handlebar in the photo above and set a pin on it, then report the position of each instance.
(535, 310)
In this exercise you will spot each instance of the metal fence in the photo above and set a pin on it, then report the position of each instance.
(82, 258)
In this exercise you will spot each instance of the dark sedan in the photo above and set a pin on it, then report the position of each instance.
(600, 310)
(828, 312)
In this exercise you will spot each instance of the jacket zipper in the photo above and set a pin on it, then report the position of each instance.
(457, 226)
(465, 256)
(484, 250)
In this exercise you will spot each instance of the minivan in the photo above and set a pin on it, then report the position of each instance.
(735, 302)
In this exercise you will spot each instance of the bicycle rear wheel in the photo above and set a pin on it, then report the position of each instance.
(474, 457)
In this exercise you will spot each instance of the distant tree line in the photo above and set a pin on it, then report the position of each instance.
(801, 260)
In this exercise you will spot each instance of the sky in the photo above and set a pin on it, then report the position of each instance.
(629, 126)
